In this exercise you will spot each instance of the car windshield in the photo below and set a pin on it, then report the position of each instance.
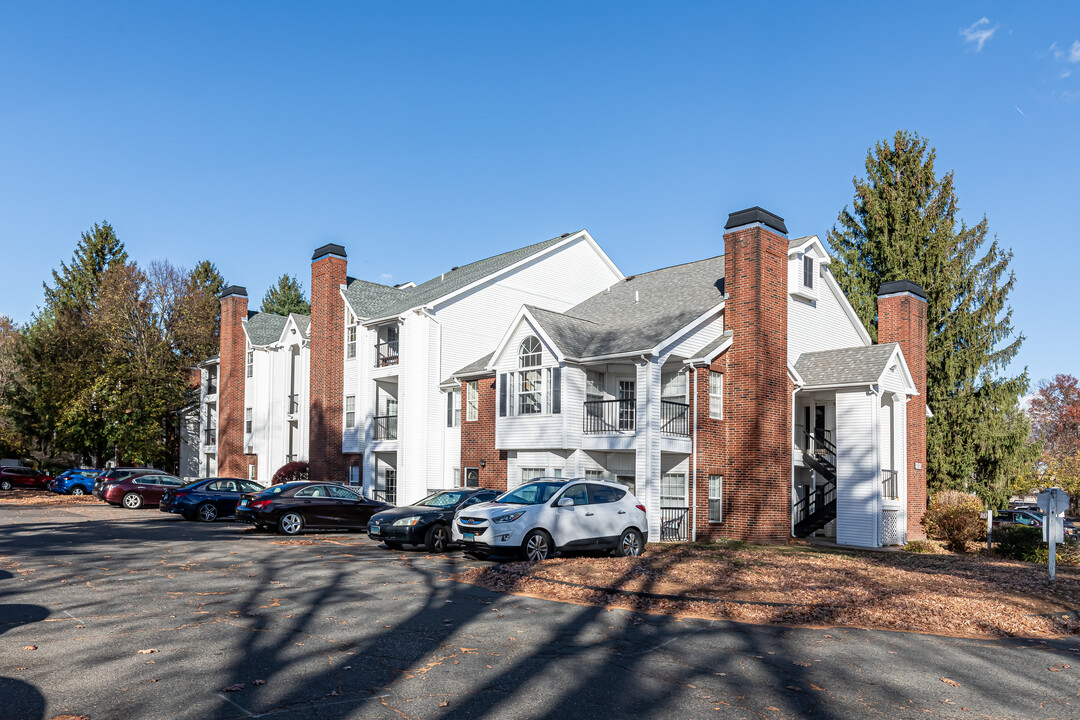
(531, 494)
(444, 499)
(278, 489)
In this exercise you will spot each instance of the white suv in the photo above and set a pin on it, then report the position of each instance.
(551, 514)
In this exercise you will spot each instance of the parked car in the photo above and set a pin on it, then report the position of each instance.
(552, 514)
(208, 499)
(15, 476)
(136, 491)
(297, 506)
(427, 522)
(77, 481)
(1005, 518)
(115, 475)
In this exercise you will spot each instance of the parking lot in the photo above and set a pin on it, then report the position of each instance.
(134, 614)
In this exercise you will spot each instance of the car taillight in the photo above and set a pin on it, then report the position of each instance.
(259, 504)
(178, 495)
(640, 507)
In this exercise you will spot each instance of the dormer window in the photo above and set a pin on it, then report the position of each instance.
(529, 353)
(532, 390)
(808, 271)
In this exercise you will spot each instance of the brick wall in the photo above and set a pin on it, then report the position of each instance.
(327, 334)
(231, 461)
(902, 319)
(757, 406)
(478, 437)
(712, 443)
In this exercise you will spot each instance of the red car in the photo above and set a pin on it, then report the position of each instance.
(23, 477)
(134, 492)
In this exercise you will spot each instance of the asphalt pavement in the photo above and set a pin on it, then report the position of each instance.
(135, 614)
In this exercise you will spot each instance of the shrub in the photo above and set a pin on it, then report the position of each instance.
(922, 546)
(1020, 542)
(290, 472)
(953, 517)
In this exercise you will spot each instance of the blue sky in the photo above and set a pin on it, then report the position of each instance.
(427, 135)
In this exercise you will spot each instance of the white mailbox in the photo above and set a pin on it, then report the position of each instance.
(1053, 502)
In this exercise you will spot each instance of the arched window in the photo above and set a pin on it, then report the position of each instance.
(529, 353)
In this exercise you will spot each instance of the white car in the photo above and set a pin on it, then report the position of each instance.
(550, 514)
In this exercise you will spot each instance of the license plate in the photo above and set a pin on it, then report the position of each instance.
(375, 530)
(469, 536)
(244, 502)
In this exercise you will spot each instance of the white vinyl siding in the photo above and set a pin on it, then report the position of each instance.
(822, 324)
(858, 498)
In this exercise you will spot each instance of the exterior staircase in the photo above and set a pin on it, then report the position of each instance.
(818, 509)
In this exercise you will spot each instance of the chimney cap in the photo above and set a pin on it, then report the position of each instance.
(328, 249)
(896, 287)
(756, 215)
(234, 290)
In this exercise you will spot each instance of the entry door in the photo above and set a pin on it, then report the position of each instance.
(472, 477)
(628, 409)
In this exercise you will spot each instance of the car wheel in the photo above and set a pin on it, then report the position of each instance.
(291, 523)
(206, 512)
(132, 501)
(437, 538)
(78, 490)
(630, 544)
(5, 484)
(537, 546)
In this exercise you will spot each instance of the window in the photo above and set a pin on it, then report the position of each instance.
(453, 408)
(456, 476)
(594, 474)
(472, 477)
(530, 386)
(247, 420)
(315, 491)
(350, 342)
(716, 395)
(673, 490)
(673, 387)
(716, 486)
(339, 492)
(605, 494)
(472, 400)
(578, 493)
(808, 271)
(350, 411)
(528, 474)
(390, 480)
(529, 353)
(250, 362)
(251, 471)
(354, 474)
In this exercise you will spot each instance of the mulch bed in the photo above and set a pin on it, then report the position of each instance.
(976, 595)
(24, 496)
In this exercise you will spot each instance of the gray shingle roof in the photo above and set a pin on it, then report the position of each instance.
(303, 322)
(710, 347)
(475, 367)
(844, 366)
(372, 300)
(265, 328)
(637, 313)
(796, 242)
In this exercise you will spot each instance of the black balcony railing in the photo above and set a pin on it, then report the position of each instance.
(674, 418)
(386, 427)
(610, 416)
(890, 484)
(211, 386)
(386, 353)
(210, 436)
(294, 404)
(674, 524)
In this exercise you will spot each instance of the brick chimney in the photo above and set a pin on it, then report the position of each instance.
(231, 379)
(328, 265)
(757, 400)
(902, 319)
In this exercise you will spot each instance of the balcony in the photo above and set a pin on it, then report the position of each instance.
(386, 353)
(609, 416)
(386, 427)
(211, 386)
(294, 404)
(210, 436)
(890, 484)
(674, 418)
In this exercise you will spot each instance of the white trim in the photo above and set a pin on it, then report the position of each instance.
(899, 294)
(811, 240)
(511, 330)
(795, 377)
(707, 359)
(674, 337)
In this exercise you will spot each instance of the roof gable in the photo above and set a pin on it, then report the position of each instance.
(851, 366)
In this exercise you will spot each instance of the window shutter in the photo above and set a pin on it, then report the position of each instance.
(450, 409)
(502, 395)
(556, 391)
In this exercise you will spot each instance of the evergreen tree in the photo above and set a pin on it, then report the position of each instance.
(76, 284)
(287, 296)
(903, 225)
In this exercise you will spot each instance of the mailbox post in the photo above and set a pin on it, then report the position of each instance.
(1053, 503)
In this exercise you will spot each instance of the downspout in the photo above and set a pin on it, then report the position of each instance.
(693, 460)
(794, 422)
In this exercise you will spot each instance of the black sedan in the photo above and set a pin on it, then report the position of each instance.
(207, 500)
(428, 521)
(296, 506)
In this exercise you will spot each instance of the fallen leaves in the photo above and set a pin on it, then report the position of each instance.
(148, 651)
(235, 687)
(258, 682)
(29, 647)
(949, 681)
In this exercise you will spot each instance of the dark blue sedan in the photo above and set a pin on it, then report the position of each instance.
(207, 500)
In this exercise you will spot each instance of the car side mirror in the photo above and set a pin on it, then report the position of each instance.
(566, 502)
